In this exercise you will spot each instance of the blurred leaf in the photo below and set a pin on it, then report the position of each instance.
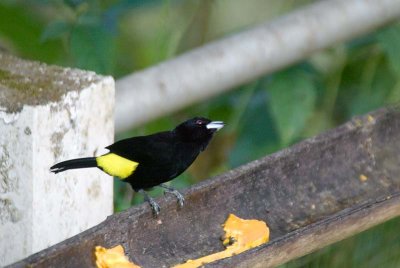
(292, 102)
(115, 10)
(390, 41)
(256, 135)
(196, 32)
(224, 107)
(74, 3)
(54, 30)
(23, 29)
(394, 96)
(367, 83)
(92, 48)
(363, 103)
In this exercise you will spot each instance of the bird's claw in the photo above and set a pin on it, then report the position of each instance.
(178, 195)
(180, 198)
(155, 208)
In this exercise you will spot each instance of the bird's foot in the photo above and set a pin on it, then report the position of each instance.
(178, 195)
(155, 208)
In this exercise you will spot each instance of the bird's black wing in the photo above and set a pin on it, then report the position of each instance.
(155, 154)
(155, 149)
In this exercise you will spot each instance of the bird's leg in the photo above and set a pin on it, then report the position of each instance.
(178, 195)
(153, 204)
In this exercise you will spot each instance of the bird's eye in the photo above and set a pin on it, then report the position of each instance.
(199, 122)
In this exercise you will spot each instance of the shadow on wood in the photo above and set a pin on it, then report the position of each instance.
(313, 194)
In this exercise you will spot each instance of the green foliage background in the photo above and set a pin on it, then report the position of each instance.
(117, 37)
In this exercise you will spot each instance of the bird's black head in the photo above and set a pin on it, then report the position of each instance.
(198, 129)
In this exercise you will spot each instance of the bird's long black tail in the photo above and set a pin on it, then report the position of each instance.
(86, 162)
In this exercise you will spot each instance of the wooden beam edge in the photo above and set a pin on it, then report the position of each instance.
(325, 232)
(277, 251)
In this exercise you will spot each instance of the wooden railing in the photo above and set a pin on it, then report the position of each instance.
(313, 194)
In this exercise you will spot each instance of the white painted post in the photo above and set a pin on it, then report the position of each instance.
(49, 114)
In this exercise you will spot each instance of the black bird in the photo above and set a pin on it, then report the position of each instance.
(148, 161)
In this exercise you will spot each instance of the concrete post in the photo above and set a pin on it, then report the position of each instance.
(49, 114)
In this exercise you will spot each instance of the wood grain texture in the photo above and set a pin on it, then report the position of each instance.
(311, 195)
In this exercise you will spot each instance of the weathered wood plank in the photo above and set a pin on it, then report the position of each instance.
(310, 195)
(317, 235)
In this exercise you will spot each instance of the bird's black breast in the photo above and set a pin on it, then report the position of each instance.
(161, 157)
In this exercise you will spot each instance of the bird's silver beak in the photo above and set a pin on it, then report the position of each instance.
(215, 125)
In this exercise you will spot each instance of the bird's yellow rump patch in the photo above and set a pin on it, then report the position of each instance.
(116, 165)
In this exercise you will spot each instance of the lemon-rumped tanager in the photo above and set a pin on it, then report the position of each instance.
(148, 161)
